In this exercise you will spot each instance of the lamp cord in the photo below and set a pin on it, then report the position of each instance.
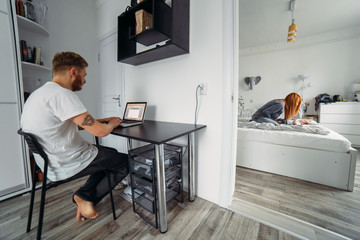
(196, 106)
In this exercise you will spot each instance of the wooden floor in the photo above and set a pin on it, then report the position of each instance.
(330, 208)
(197, 220)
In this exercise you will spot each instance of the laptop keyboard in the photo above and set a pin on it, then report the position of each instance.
(129, 121)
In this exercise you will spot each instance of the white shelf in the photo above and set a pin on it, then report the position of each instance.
(32, 66)
(31, 26)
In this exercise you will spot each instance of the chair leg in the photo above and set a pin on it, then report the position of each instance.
(42, 205)
(111, 196)
(31, 202)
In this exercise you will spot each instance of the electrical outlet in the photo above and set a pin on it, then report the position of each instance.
(203, 88)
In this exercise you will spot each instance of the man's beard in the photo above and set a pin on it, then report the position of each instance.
(77, 84)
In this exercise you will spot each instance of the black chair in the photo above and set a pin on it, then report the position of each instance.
(36, 148)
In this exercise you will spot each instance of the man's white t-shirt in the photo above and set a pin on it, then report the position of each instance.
(47, 113)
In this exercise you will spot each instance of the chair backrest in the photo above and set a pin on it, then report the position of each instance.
(33, 144)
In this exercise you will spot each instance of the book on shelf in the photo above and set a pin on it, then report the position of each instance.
(20, 8)
(17, 7)
(37, 56)
(30, 11)
(30, 55)
(25, 9)
(23, 50)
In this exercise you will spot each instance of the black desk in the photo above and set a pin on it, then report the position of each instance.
(159, 133)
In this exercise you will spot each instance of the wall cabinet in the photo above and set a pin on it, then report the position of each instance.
(14, 177)
(17, 77)
(170, 32)
(344, 118)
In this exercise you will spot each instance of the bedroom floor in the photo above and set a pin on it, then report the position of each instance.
(330, 208)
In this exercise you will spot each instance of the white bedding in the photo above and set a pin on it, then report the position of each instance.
(332, 141)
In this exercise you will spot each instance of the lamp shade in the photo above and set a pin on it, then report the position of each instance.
(291, 40)
(292, 33)
(291, 36)
(293, 28)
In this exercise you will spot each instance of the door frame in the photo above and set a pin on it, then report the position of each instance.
(230, 100)
(122, 76)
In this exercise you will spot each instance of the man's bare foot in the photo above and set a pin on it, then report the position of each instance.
(79, 216)
(85, 209)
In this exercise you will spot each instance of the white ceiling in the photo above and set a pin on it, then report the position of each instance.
(266, 21)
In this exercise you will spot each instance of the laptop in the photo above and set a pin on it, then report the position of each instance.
(134, 114)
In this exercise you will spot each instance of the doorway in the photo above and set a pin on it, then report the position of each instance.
(329, 208)
(111, 87)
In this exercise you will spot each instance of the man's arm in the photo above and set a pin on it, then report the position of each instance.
(102, 120)
(95, 127)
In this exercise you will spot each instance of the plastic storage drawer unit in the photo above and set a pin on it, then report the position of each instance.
(143, 179)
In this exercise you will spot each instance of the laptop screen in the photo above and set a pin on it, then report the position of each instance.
(134, 111)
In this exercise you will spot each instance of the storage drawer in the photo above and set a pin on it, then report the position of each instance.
(340, 108)
(173, 172)
(143, 184)
(172, 161)
(150, 188)
(142, 167)
(343, 128)
(172, 154)
(144, 200)
(173, 190)
(340, 118)
(148, 202)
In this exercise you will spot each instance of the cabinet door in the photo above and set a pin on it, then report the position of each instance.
(13, 169)
(3, 6)
(7, 60)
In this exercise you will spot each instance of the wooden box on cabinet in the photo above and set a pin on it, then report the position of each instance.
(143, 21)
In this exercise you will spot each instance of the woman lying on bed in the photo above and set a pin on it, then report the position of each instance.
(270, 112)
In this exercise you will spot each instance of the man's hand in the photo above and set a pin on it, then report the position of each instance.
(115, 122)
(107, 120)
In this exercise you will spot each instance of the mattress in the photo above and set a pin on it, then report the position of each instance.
(332, 141)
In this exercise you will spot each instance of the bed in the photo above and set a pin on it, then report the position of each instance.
(311, 153)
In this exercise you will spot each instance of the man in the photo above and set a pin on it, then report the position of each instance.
(55, 115)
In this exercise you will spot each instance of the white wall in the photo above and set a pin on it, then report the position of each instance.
(169, 85)
(72, 27)
(333, 66)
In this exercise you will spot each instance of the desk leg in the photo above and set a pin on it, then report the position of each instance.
(191, 166)
(129, 144)
(161, 189)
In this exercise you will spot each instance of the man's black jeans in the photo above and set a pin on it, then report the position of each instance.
(96, 186)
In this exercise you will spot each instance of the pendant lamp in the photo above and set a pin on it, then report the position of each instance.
(293, 27)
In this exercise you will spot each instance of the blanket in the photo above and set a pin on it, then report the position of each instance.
(313, 128)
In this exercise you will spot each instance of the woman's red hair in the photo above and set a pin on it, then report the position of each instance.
(292, 105)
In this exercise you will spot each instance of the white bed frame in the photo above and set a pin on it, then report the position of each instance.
(328, 168)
